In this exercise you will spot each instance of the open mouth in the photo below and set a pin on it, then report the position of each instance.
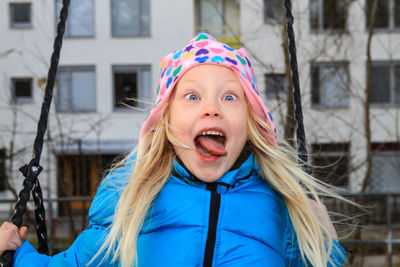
(211, 143)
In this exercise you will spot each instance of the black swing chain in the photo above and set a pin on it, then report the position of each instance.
(301, 138)
(32, 170)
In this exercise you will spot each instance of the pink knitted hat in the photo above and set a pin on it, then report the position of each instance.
(205, 49)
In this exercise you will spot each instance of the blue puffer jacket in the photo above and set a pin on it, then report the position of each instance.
(237, 221)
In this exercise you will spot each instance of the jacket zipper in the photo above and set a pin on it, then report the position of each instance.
(215, 204)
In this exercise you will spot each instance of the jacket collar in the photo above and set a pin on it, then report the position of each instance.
(242, 170)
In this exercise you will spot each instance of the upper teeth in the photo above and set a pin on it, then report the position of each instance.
(211, 133)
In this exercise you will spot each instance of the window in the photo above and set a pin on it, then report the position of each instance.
(3, 176)
(79, 176)
(130, 17)
(273, 11)
(21, 90)
(330, 85)
(331, 163)
(76, 92)
(20, 15)
(275, 86)
(218, 17)
(387, 14)
(80, 22)
(385, 171)
(328, 15)
(131, 86)
(385, 83)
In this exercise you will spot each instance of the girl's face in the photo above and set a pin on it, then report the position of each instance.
(208, 112)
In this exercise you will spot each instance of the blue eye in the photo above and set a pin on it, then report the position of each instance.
(191, 97)
(229, 97)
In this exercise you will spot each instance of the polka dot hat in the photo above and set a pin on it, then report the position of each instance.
(205, 49)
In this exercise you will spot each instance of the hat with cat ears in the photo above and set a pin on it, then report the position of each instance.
(205, 49)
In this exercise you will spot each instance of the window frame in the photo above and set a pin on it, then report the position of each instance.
(340, 150)
(67, 33)
(12, 23)
(75, 68)
(141, 34)
(320, 64)
(392, 80)
(130, 69)
(321, 28)
(391, 27)
(21, 100)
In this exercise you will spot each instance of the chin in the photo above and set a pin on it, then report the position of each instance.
(208, 176)
(208, 179)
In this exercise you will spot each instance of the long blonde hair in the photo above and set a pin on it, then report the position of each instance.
(277, 165)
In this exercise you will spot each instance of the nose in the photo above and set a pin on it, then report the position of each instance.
(211, 110)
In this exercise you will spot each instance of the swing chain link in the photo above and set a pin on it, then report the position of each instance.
(301, 138)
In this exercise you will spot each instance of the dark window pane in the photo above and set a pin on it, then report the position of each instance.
(331, 163)
(381, 15)
(275, 85)
(397, 13)
(314, 14)
(23, 88)
(2, 169)
(332, 169)
(106, 164)
(335, 12)
(380, 84)
(126, 89)
(273, 11)
(20, 13)
(315, 96)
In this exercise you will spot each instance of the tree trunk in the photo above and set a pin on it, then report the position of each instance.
(290, 122)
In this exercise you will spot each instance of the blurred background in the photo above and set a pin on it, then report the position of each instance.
(349, 66)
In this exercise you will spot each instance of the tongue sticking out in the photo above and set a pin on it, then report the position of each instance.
(213, 145)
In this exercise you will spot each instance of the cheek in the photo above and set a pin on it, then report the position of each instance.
(242, 126)
(179, 125)
(239, 127)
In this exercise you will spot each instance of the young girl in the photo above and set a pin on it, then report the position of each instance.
(208, 185)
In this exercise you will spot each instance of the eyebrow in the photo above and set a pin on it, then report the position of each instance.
(232, 81)
(195, 81)
(187, 81)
